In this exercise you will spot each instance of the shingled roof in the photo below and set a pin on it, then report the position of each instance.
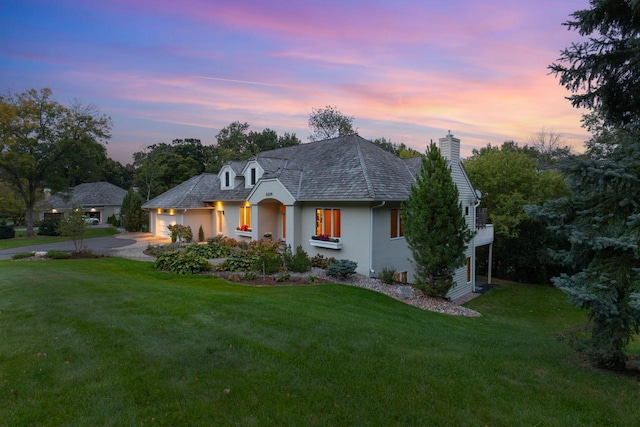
(88, 194)
(190, 194)
(344, 168)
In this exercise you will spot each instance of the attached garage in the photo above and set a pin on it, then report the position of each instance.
(162, 221)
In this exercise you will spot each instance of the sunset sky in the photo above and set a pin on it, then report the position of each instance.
(408, 70)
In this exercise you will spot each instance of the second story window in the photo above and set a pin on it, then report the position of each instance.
(226, 179)
(253, 176)
(396, 224)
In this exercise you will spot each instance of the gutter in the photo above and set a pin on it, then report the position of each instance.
(372, 272)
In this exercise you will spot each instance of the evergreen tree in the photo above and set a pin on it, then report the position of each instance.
(434, 225)
(133, 217)
(602, 221)
(602, 70)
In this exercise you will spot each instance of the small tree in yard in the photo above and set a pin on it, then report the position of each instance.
(434, 225)
(133, 217)
(73, 225)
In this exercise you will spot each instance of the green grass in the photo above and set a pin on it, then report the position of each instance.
(112, 342)
(22, 240)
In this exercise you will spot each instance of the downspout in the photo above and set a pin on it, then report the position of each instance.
(473, 241)
(372, 272)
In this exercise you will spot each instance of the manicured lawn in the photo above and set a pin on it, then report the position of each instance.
(22, 240)
(112, 342)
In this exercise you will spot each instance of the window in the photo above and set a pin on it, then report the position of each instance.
(400, 277)
(226, 179)
(466, 211)
(468, 269)
(253, 176)
(396, 224)
(245, 218)
(328, 222)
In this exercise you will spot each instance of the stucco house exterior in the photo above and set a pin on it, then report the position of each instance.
(339, 197)
(98, 200)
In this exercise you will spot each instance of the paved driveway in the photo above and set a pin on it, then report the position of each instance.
(125, 245)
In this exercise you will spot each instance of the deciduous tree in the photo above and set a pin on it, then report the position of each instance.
(329, 122)
(40, 137)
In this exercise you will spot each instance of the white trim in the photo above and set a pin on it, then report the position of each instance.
(325, 244)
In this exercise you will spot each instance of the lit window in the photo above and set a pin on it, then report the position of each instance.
(245, 218)
(328, 222)
(396, 224)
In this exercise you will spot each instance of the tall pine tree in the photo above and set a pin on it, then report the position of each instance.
(434, 225)
(601, 219)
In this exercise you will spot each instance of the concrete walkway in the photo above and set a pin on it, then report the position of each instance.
(135, 250)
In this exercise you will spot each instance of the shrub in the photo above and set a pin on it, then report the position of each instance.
(283, 277)
(23, 255)
(58, 255)
(49, 227)
(387, 275)
(209, 251)
(200, 234)
(113, 220)
(342, 268)
(240, 261)
(319, 261)
(298, 262)
(7, 231)
(181, 263)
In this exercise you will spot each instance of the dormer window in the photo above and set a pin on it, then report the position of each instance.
(226, 179)
(252, 173)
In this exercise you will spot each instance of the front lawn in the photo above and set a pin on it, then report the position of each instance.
(22, 240)
(112, 342)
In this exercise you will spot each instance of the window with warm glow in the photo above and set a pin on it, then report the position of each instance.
(396, 224)
(245, 217)
(328, 222)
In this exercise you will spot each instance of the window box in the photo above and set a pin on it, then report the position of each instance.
(328, 244)
(244, 232)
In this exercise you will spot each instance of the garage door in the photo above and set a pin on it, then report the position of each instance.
(161, 225)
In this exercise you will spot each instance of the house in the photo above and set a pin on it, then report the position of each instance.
(339, 197)
(98, 200)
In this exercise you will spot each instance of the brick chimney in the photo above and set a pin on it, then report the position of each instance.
(450, 148)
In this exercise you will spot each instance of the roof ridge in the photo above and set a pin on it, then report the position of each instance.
(363, 165)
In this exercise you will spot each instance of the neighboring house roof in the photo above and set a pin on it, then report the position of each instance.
(87, 195)
(190, 194)
(344, 168)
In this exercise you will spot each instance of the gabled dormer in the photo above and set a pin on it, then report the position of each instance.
(227, 177)
(252, 173)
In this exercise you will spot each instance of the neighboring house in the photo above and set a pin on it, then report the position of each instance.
(98, 200)
(339, 197)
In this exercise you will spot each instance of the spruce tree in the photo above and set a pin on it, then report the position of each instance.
(602, 221)
(434, 225)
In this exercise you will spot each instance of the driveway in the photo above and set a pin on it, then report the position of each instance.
(123, 245)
